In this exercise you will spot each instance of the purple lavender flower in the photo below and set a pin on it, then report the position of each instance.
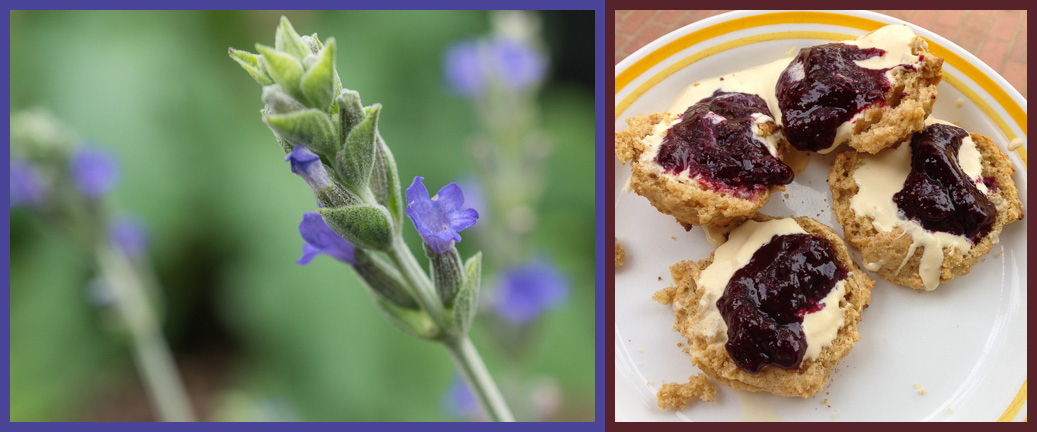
(130, 235)
(472, 64)
(27, 187)
(321, 239)
(464, 71)
(460, 402)
(440, 218)
(95, 172)
(529, 289)
(308, 166)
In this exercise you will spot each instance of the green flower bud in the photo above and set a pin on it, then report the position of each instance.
(288, 41)
(283, 68)
(385, 183)
(351, 111)
(317, 83)
(279, 101)
(355, 160)
(309, 127)
(250, 62)
(369, 227)
(447, 273)
(312, 43)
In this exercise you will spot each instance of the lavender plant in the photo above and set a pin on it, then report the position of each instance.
(332, 141)
(66, 185)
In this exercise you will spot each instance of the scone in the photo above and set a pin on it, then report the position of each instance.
(924, 212)
(871, 92)
(773, 309)
(715, 164)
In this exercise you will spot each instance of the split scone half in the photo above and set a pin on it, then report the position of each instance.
(923, 213)
(870, 93)
(714, 164)
(773, 309)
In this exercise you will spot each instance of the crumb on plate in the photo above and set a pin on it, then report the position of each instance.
(673, 395)
(620, 253)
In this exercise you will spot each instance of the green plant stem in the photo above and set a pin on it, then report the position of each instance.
(151, 353)
(474, 371)
(462, 351)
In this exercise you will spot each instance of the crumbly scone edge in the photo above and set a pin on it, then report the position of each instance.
(913, 97)
(889, 249)
(688, 204)
(812, 375)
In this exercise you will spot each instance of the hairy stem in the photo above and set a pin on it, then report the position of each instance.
(474, 371)
(151, 353)
(462, 351)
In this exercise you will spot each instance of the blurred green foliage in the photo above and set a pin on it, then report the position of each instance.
(223, 209)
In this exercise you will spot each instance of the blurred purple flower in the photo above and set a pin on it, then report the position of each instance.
(130, 235)
(308, 166)
(529, 289)
(460, 401)
(321, 239)
(518, 63)
(94, 171)
(27, 187)
(471, 65)
(439, 219)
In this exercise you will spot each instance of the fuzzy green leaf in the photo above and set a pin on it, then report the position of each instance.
(317, 83)
(415, 323)
(385, 183)
(249, 62)
(383, 279)
(309, 127)
(288, 41)
(467, 300)
(369, 227)
(282, 68)
(356, 159)
(351, 111)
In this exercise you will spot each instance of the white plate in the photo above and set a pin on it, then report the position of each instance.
(964, 344)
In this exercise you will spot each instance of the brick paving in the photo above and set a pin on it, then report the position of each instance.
(996, 37)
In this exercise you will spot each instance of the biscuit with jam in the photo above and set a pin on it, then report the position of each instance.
(773, 309)
(924, 212)
(870, 93)
(715, 164)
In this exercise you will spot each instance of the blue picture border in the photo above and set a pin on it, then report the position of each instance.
(602, 212)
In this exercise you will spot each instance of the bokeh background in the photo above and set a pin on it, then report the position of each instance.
(257, 337)
(998, 37)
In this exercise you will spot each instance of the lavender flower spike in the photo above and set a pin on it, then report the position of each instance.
(440, 218)
(321, 239)
(94, 171)
(471, 65)
(528, 290)
(308, 166)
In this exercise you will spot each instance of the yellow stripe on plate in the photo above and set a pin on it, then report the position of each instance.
(1015, 406)
(653, 58)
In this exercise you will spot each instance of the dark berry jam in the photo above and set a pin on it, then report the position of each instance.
(714, 141)
(937, 194)
(830, 90)
(765, 301)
